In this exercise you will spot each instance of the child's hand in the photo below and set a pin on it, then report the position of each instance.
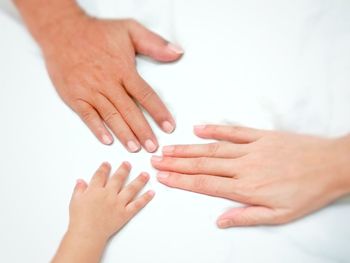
(99, 210)
(103, 207)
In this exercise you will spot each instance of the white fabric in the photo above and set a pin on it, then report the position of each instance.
(269, 64)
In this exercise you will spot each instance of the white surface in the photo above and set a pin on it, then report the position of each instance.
(269, 64)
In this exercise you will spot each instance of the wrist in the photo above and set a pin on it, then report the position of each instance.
(47, 21)
(341, 157)
(86, 236)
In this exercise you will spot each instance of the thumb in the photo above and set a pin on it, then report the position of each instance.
(246, 216)
(150, 44)
(80, 187)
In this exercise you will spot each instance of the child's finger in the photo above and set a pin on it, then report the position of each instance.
(80, 187)
(117, 181)
(135, 206)
(100, 177)
(131, 190)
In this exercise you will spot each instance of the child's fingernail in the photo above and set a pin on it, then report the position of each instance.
(79, 182)
(168, 127)
(150, 146)
(163, 175)
(133, 146)
(106, 139)
(127, 164)
(168, 149)
(176, 48)
(199, 127)
(156, 158)
(151, 193)
(145, 176)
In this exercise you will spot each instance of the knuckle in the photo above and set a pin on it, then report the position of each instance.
(138, 204)
(200, 183)
(111, 116)
(133, 188)
(213, 149)
(199, 163)
(146, 96)
(86, 116)
(128, 112)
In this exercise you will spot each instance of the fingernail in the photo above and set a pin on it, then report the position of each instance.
(168, 127)
(127, 164)
(168, 149)
(132, 146)
(175, 48)
(150, 146)
(151, 193)
(156, 158)
(106, 139)
(145, 176)
(162, 175)
(79, 182)
(199, 127)
(224, 223)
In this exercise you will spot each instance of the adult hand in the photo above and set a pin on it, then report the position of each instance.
(92, 65)
(279, 176)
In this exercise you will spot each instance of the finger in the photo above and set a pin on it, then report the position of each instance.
(150, 44)
(201, 165)
(130, 191)
(135, 206)
(116, 123)
(100, 177)
(150, 101)
(118, 179)
(218, 150)
(247, 216)
(80, 187)
(203, 184)
(134, 118)
(228, 133)
(94, 122)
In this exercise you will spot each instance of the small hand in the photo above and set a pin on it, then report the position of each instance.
(92, 65)
(279, 176)
(100, 209)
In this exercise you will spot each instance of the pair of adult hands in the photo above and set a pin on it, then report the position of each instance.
(279, 176)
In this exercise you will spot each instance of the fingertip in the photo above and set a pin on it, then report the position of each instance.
(106, 165)
(175, 49)
(133, 147)
(151, 193)
(151, 146)
(168, 150)
(144, 177)
(199, 128)
(168, 127)
(162, 176)
(80, 185)
(106, 139)
(224, 223)
(127, 165)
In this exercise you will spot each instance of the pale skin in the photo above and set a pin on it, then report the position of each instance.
(91, 63)
(98, 210)
(278, 176)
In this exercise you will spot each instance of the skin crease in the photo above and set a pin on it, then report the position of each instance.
(91, 63)
(279, 176)
(98, 210)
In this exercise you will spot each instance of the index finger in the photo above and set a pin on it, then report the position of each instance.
(204, 184)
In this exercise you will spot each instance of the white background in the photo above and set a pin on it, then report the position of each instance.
(271, 64)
